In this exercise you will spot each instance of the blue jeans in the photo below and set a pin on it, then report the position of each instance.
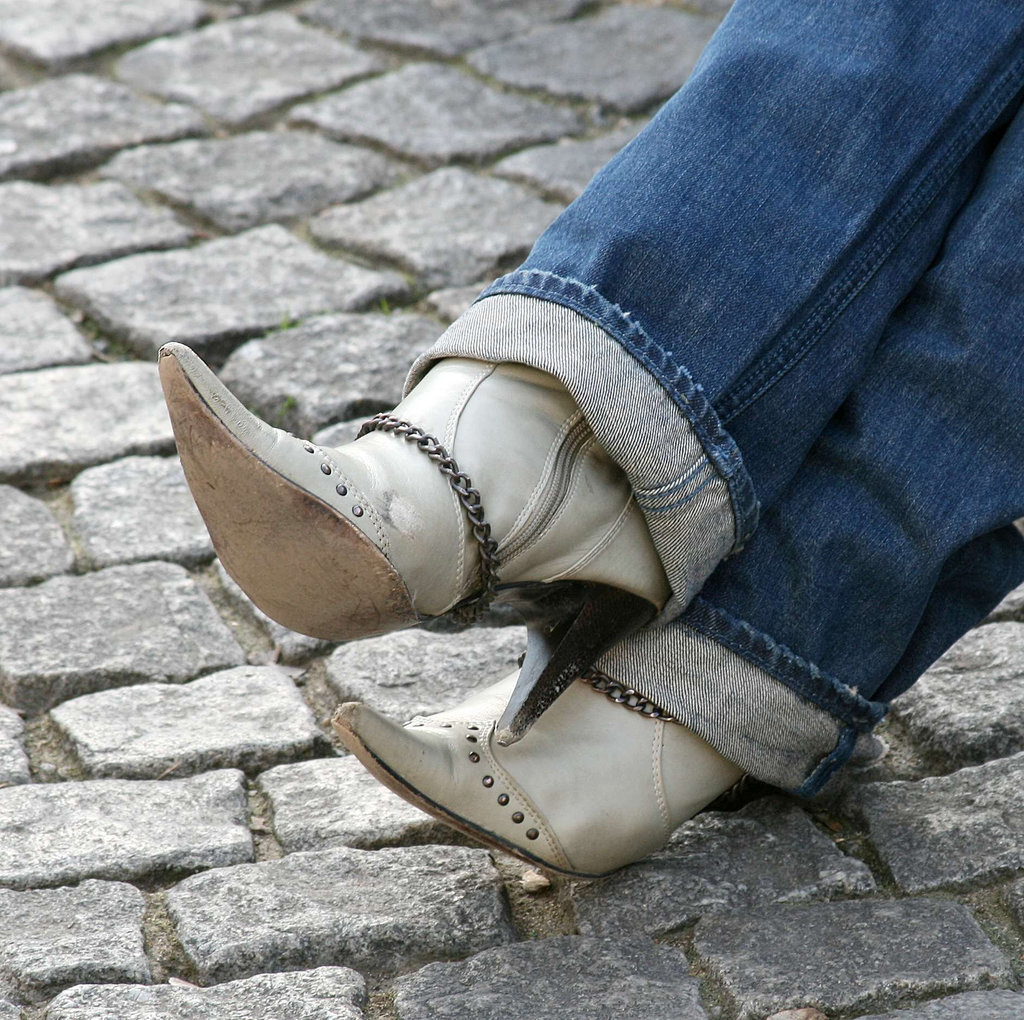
(793, 310)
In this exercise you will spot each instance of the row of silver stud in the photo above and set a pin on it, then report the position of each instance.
(503, 798)
(341, 489)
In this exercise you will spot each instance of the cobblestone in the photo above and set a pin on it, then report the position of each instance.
(1015, 901)
(340, 433)
(597, 59)
(335, 802)
(249, 717)
(78, 120)
(256, 178)
(138, 508)
(419, 673)
(105, 412)
(564, 169)
(13, 760)
(993, 1005)
(34, 546)
(35, 334)
(290, 645)
(54, 938)
(555, 979)
(450, 227)
(445, 29)
(328, 369)
(451, 302)
(968, 708)
(56, 833)
(242, 67)
(440, 114)
(768, 852)
(221, 292)
(54, 32)
(327, 993)
(948, 830)
(369, 909)
(57, 641)
(46, 229)
(847, 956)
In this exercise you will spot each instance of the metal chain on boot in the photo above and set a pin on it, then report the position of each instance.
(633, 700)
(469, 498)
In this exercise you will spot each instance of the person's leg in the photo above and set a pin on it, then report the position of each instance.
(719, 287)
(893, 538)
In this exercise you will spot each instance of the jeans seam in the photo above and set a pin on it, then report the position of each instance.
(830, 764)
(587, 301)
(791, 349)
(800, 676)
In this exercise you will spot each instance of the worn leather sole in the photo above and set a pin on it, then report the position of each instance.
(345, 723)
(295, 556)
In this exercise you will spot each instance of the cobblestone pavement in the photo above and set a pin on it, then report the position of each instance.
(307, 193)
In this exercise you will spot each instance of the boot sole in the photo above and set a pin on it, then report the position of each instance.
(300, 561)
(396, 784)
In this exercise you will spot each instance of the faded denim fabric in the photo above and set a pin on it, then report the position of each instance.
(816, 249)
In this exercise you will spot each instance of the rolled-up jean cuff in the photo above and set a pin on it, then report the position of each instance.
(770, 712)
(685, 470)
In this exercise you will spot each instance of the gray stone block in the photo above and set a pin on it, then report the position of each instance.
(328, 993)
(564, 978)
(221, 292)
(599, 58)
(445, 29)
(449, 227)
(241, 67)
(57, 833)
(451, 302)
(60, 420)
(44, 229)
(78, 120)
(328, 369)
(138, 508)
(375, 910)
(416, 672)
(35, 334)
(846, 956)
(768, 852)
(250, 717)
(1014, 896)
(992, 1005)
(241, 182)
(335, 802)
(54, 32)
(291, 646)
(950, 830)
(54, 938)
(13, 760)
(34, 546)
(340, 433)
(564, 169)
(124, 625)
(968, 708)
(436, 114)
(8, 1011)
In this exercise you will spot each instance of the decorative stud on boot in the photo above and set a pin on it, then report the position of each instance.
(590, 788)
(484, 484)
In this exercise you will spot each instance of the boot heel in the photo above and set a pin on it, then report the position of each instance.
(568, 629)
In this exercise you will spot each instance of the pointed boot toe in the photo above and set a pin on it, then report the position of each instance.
(485, 484)
(590, 788)
(299, 548)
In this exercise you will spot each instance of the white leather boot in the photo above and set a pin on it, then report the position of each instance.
(513, 499)
(590, 788)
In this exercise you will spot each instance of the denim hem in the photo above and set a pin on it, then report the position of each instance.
(685, 498)
(688, 395)
(755, 717)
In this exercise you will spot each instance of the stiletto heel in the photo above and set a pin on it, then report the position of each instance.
(568, 629)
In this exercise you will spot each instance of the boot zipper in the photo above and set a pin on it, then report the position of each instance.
(554, 489)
